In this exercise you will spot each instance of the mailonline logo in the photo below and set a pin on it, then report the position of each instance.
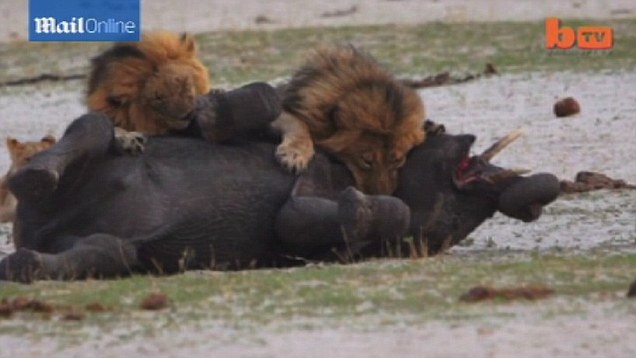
(84, 20)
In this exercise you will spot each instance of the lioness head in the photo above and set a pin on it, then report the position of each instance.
(21, 152)
(378, 126)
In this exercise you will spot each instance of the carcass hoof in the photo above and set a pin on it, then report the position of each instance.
(524, 200)
(33, 184)
(372, 216)
(354, 211)
(21, 266)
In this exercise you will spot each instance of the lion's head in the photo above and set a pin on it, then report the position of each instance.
(21, 152)
(169, 94)
(377, 127)
(148, 86)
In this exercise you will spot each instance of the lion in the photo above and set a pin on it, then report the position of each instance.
(20, 154)
(148, 86)
(345, 103)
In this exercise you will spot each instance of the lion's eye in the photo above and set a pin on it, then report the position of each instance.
(114, 101)
(367, 161)
(158, 96)
(397, 161)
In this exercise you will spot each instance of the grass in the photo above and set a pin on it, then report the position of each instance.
(389, 290)
(236, 57)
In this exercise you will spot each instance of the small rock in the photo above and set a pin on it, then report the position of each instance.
(73, 316)
(632, 290)
(478, 293)
(40, 306)
(155, 301)
(20, 303)
(262, 19)
(96, 307)
(24, 304)
(482, 293)
(588, 181)
(6, 310)
(338, 13)
(566, 107)
(490, 70)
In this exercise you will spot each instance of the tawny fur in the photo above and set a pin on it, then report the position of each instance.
(148, 86)
(350, 106)
(20, 153)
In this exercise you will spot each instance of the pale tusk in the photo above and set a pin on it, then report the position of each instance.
(520, 171)
(502, 143)
(507, 173)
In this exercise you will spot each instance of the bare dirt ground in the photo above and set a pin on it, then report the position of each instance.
(601, 334)
(202, 15)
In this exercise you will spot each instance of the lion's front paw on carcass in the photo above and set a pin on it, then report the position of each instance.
(132, 143)
(295, 155)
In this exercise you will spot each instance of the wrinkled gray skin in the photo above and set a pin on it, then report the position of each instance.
(87, 210)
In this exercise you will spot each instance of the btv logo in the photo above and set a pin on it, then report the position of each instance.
(585, 37)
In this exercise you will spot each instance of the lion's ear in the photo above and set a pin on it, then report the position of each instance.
(49, 139)
(188, 43)
(12, 143)
(433, 128)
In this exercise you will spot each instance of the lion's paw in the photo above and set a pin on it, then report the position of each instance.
(434, 128)
(295, 156)
(132, 143)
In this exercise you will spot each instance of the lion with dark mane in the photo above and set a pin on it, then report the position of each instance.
(343, 101)
(148, 86)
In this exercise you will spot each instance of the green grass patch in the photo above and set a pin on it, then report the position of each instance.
(392, 290)
(236, 57)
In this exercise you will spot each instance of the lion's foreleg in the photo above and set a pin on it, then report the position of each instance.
(129, 142)
(297, 148)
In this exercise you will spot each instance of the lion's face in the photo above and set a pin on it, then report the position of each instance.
(375, 159)
(170, 93)
(21, 152)
(374, 138)
(374, 171)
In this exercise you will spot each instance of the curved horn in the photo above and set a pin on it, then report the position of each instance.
(507, 173)
(502, 143)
